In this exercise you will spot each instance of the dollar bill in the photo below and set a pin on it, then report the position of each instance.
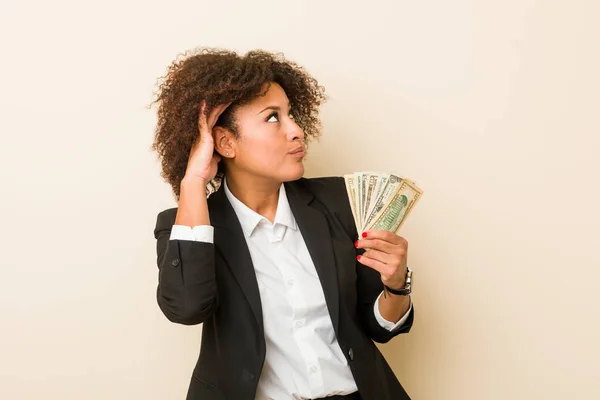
(381, 182)
(359, 199)
(395, 211)
(351, 189)
(380, 200)
(370, 183)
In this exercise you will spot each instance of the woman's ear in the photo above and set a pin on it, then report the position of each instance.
(224, 143)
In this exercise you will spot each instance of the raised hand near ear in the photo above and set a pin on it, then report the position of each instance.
(203, 160)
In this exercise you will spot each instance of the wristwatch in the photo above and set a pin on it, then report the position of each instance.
(406, 290)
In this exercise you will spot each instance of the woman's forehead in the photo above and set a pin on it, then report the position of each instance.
(275, 96)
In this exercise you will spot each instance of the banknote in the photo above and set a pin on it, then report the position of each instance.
(358, 199)
(391, 217)
(381, 182)
(370, 183)
(380, 200)
(351, 189)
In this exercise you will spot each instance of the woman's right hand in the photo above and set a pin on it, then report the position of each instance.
(203, 160)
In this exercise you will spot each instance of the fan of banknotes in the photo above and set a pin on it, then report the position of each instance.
(381, 201)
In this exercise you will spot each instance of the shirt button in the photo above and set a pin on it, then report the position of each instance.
(313, 369)
(175, 262)
(290, 282)
(299, 323)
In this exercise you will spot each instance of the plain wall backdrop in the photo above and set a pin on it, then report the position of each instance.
(492, 107)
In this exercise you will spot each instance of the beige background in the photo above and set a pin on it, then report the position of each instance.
(492, 107)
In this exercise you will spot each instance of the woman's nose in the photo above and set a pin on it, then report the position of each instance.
(294, 131)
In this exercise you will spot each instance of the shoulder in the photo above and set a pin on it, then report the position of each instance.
(329, 191)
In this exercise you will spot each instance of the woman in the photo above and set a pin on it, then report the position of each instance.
(271, 263)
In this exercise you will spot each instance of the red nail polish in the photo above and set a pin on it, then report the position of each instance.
(356, 244)
(358, 258)
(364, 234)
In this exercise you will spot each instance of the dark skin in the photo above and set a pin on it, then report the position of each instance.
(216, 77)
(259, 162)
(387, 253)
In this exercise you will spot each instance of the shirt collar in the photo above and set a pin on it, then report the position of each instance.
(249, 219)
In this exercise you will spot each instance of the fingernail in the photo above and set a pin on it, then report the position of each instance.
(356, 244)
(358, 258)
(364, 234)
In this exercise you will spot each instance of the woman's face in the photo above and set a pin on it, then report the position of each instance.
(270, 143)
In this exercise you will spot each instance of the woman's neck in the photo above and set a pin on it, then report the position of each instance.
(259, 195)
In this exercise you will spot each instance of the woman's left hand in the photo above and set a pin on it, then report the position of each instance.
(387, 253)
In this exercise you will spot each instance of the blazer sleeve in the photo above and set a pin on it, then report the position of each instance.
(369, 287)
(368, 282)
(187, 289)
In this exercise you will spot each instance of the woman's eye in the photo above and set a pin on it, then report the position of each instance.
(276, 116)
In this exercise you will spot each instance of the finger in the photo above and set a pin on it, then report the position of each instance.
(212, 117)
(202, 123)
(384, 235)
(377, 244)
(216, 113)
(378, 266)
(205, 124)
(385, 258)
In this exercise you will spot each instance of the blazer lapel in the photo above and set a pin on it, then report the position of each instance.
(233, 246)
(314, 227)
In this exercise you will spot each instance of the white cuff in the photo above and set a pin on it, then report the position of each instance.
(200, 233)
(390, 326)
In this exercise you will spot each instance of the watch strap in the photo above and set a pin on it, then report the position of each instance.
(401, 292)
(406, 290)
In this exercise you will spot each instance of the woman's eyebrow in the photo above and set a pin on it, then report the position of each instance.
(276, 108)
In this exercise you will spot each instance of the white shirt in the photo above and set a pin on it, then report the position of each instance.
(303, 358)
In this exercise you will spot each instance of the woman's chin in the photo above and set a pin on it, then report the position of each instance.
(294, 173)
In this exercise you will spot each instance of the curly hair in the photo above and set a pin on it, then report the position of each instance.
(221, 76)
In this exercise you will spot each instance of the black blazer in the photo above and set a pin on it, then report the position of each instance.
(215, 284)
